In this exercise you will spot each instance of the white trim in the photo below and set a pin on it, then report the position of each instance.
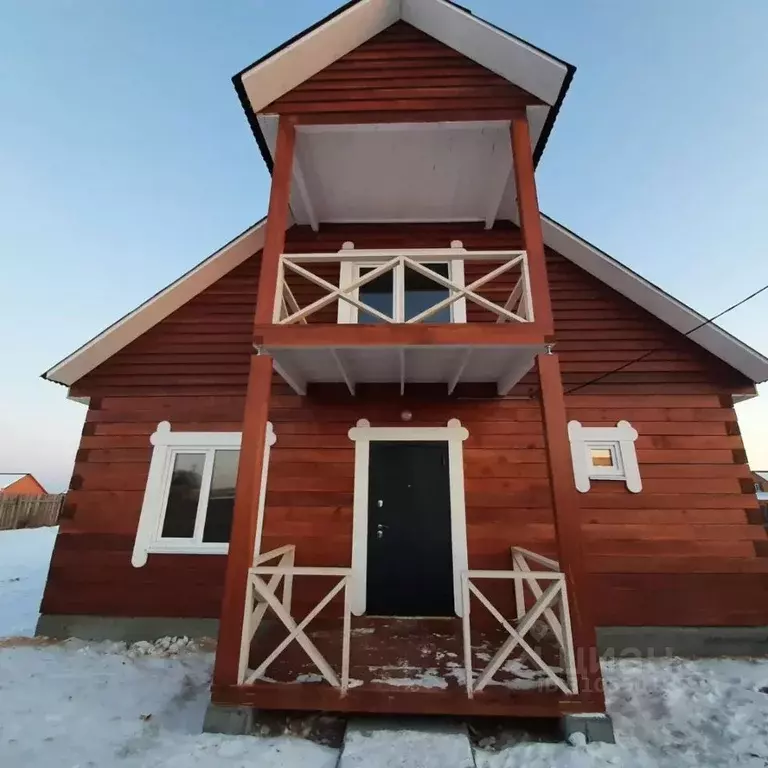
(659, 303)
(362, 434)
(607, 270)
(270, 440)
(515, 60)
(349, 273)
(162, 304)
(620, 440)
(168, 445)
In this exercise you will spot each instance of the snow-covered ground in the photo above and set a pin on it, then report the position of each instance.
(24, 559)
(103, 705)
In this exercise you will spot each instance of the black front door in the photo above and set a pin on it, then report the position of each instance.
(410, 567)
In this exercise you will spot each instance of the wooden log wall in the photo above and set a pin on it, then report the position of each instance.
(403, 70)
(689, 550)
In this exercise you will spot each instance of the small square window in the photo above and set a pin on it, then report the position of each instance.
(604, 460)
(602, 457)
(604, 453)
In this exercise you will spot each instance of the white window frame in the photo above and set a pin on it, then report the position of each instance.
(167, 446)
(619, 440)
(363, 434)
(349, 272)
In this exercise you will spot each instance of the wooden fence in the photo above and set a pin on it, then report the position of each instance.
(29, 511)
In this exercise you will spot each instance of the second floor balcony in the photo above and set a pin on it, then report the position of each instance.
(447, 315)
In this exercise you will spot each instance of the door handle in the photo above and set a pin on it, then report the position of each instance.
(380, 531)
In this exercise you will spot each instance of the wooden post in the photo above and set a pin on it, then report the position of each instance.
(243, 536)
(565, 502)
(567, 518)
(530, 222)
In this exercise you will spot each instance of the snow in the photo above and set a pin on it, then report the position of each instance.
(73, 705)
(668, 713)
(424, 748)
(107, 705)
(24, 558)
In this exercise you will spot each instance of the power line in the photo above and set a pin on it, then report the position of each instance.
(660, 349)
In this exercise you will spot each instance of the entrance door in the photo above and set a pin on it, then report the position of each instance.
(410, 564)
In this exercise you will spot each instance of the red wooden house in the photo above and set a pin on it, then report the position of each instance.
(409, 439)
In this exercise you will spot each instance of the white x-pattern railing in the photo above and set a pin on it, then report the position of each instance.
(261, 596)
(550, 606)
(517, 307)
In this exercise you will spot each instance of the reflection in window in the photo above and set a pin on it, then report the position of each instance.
(183, 496)
(421, 293)
(221, 499)
(602, 457)
(377, 294)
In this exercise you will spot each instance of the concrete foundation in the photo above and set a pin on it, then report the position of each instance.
(617, 642)
(593, 727)
(233, 721)
(689, 642)
(128, 630)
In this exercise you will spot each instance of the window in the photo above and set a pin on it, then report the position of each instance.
(604, 453)
(190, 494)
(402, 293)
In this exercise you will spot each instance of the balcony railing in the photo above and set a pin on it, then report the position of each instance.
(327, 281)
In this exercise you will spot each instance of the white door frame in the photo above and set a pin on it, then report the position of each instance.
(362, 435)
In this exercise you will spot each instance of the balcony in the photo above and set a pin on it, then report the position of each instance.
(446, 315)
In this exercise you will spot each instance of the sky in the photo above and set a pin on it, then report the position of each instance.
(125, 159)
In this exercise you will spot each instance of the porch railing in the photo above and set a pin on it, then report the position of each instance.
(516, 307)
(261, 596)
(550, 606)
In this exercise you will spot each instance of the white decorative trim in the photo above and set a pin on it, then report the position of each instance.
(167, 445)
(619, 440)
(270, 440)
(362, 434)
(154, 310)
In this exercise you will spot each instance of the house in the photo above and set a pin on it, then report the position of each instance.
(408, 439)
(761, 491)
(20, 485)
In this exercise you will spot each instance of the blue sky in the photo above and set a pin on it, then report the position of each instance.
(125, 159)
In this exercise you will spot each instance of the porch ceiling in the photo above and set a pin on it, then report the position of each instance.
(400, 172)
(450, 365)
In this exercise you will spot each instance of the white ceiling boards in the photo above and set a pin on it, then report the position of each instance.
(401, 172)
(430, 172)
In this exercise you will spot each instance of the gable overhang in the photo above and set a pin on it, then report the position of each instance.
(653, 299)
(675, 314)
(158, 307)
(438, 171)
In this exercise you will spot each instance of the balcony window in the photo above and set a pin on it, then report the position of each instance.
(419, 294)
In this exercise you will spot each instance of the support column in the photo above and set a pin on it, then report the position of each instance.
(565, 501)
(243, 536)
(567, 518)
(530, 223)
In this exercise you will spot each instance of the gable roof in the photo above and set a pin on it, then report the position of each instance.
(534, 70)
(568, 244)
(7, 478)
(122, 332)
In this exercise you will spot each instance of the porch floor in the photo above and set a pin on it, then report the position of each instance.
(404, 666)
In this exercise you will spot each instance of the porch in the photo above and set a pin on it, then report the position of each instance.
(482, 663)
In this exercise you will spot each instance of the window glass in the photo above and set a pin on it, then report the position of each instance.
(221, 499)
(183, 496)
(602, 457)
(376, 294)
(421, 293)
